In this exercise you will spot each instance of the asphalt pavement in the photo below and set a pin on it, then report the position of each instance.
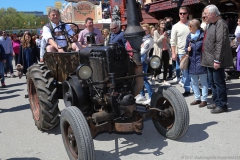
(209, 136)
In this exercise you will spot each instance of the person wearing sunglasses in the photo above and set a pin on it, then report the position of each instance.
(117, 36)
(179, 34)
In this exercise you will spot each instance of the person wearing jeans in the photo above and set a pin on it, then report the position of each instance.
(216, 57)
(2, 61)
(9, 65)
(7, 45)
(193, 46)
(179, 34)
(146, 46)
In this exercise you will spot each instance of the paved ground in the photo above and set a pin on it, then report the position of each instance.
(208, 137)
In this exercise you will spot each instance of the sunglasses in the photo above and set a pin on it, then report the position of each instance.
(184, 13)
(114, 28)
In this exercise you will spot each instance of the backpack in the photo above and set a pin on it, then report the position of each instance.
(1, 52)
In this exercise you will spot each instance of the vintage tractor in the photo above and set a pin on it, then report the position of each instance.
(98, 85)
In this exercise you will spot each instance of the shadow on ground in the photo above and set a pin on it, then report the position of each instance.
(196, 132)
(16, 84)
(56, 130)
(14, 109)
(150, 142)
(24, 158)
(11, 91)
(7, 97)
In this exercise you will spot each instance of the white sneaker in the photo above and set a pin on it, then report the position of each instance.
(180, 83)
(176, 79)
(166, 84)
(141, 98)
(147, 101)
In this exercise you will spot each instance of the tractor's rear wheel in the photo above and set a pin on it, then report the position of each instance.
(43, 97)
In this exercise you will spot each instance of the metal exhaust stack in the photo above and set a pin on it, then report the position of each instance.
(134, 34)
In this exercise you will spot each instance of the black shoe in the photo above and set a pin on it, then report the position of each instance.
(209, 91)
(185, 94)
(219, 110)
(211, 106)
(170, 78)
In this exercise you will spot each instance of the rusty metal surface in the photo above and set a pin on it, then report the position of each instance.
(95, 129)
(133, 124)
(34, 101)
(138, 85)
(62, 65)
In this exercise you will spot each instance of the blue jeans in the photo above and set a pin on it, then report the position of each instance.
(178, 65)
(195, 86)
(185, 74)
(217, 81)
(2, 71)
(9, 65)
(146, 83)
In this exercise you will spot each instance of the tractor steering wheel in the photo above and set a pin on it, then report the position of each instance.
(67, 36)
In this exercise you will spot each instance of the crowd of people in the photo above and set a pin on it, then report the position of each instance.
(206, 42)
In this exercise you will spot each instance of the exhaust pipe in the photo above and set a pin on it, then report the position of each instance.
(134, 34)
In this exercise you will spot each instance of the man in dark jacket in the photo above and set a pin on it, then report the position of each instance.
(216, 56)
(117, 36)
(2, 61)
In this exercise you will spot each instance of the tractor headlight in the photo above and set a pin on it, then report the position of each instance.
(155, 62)
(84, 72)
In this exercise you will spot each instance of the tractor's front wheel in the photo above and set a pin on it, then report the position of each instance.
(174, 121)
(76, 134)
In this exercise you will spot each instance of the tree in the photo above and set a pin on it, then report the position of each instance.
(11, 19)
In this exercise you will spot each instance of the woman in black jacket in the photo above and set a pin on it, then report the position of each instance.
(28, 52)
(194, 44)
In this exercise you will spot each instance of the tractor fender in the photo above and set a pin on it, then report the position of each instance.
(83, 99)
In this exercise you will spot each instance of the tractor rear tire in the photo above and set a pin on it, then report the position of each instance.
(176, 125)
(43, 97)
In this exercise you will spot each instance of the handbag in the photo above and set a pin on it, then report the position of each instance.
(184, 61)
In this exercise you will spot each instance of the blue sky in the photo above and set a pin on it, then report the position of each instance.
(28, 5)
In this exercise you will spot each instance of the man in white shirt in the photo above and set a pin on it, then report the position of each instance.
(179, 34)
(54, 18)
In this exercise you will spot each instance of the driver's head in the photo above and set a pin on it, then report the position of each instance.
(54, 15)
(115, 27)
(89, 22)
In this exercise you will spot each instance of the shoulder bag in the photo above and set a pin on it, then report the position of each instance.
(184, 61)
